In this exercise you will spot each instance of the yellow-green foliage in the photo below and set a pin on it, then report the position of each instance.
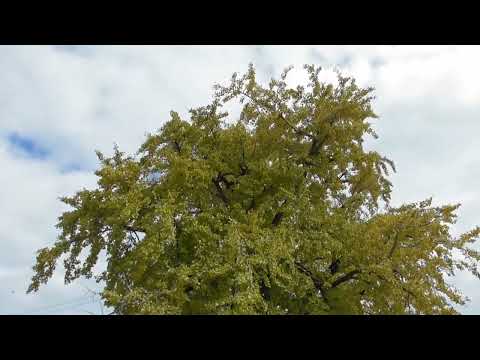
(280, 211)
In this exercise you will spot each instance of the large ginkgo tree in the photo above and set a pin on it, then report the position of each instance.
(278, 211)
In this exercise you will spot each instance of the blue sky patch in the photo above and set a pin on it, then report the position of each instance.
(27, 146)
(73, 167)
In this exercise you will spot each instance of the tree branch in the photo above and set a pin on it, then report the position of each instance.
(395, 242)
(316, 145)
(334, 266)
(220, 192)
(280, 115)
(177, 146)
(277, 218)
(316, 281)
(134, 229)
(345, 278)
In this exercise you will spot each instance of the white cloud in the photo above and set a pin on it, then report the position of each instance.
(29, 190)
(73, 100)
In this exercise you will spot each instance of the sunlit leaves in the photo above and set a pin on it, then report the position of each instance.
(281, 211)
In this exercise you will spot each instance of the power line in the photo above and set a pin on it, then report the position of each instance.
(90, 297)
(73, 302)
(74, 306)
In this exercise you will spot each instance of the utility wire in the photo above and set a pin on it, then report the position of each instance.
(72, 302)
(73, 307)
(90, 297)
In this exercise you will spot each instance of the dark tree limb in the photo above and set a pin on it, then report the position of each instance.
(134, 229)
(243, 169)
(136, 235)
(343, 174)
(220, 192)
(177, 146)
(316, 281)
(348, 276)
(277, 218)
(317, 145)
(279, 215)
(334, 266)
(265, 291)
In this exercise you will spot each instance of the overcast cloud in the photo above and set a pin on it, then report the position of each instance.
(60, 103)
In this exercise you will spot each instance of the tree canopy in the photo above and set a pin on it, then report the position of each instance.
(279, 211)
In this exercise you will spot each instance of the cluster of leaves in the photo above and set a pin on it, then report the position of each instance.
(281, 211)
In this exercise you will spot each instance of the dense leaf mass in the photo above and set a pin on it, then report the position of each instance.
(280, 211)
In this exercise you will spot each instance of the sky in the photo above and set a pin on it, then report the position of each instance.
(58, 104)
